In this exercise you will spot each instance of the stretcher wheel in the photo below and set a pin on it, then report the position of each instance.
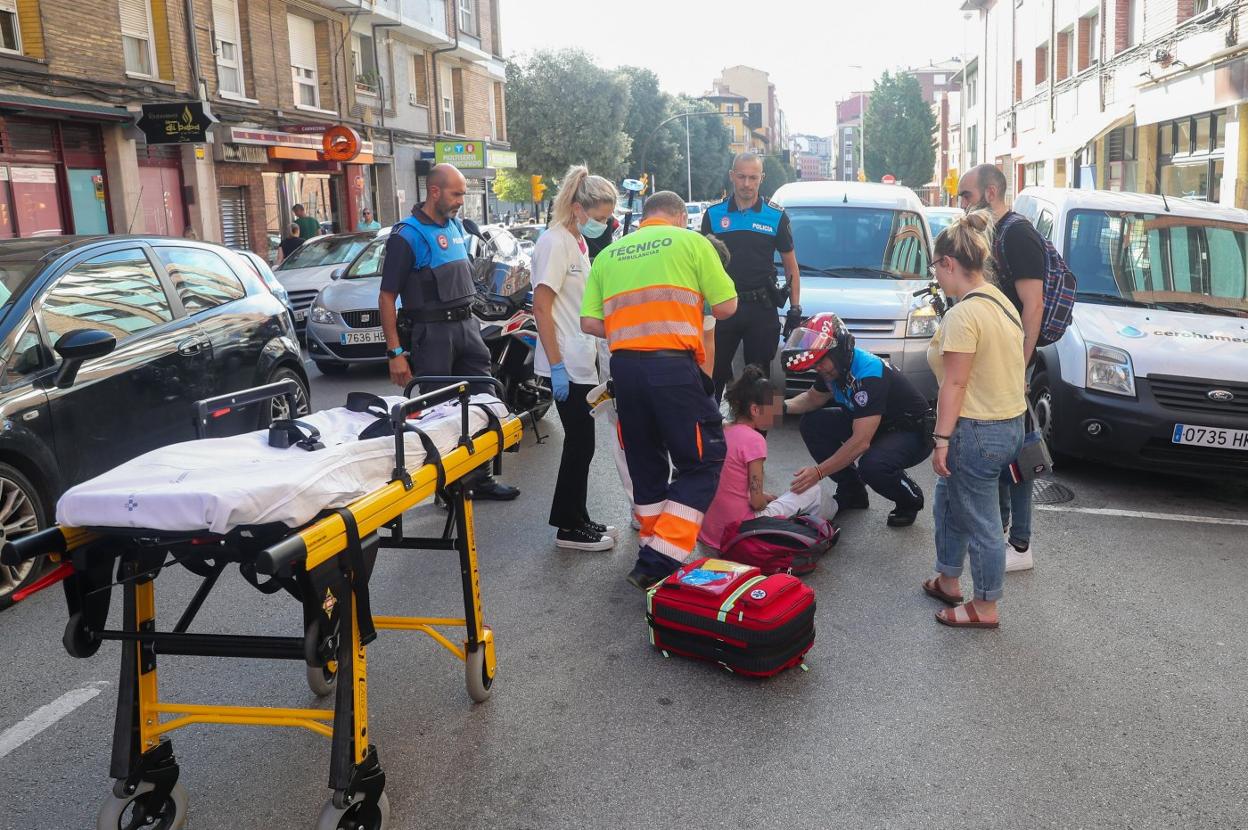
(476, 677)
(322, 680)
(356, 817)
(77, 639)
(134, 811)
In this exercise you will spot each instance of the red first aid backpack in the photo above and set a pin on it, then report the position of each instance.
(776, 545)
(731, 614)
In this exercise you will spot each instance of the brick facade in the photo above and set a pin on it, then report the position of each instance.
(1063, 56)
(1122, 24)
(248, 177)
(1083, 57)
(1042, 64)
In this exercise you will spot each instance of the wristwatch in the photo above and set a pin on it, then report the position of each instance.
(397, 351)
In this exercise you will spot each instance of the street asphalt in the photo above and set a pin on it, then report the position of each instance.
(1112, 696)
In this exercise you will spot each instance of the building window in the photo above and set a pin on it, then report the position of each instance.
(364, 65)
(136, 37)
(418, 95)
(10, 30)
(1201, 6)
(229, 55)
(496, 106)
(1089, 41)
(1190, 157)
(1065, 54)
(1042, 63)
(972, 89)
(972, 146)
(468, 17)
(446, 93)
(303, 72)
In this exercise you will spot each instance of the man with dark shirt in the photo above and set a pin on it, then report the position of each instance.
(426, 265)
(881, 420)
(754, 229)
(1020, 276)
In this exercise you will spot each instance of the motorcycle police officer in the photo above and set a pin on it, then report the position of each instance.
(883, 423)
(426, 266)
(754, 229)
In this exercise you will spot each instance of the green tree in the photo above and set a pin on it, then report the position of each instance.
(562, 110)
(898, 132)
(647, 107)
(709, 149)
(510, 186)
(775, 174)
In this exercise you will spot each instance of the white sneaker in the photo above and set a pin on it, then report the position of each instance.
(583, 539)
(1016, 560)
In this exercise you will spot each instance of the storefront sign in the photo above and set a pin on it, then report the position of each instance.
(34, 175)
(176, 123)
(276, 138)
(500, 159)
(466, 155)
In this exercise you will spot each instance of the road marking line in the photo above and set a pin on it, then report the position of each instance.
(1143, 514)
(46, 716)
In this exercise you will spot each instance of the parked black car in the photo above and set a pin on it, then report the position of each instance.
(153, 324)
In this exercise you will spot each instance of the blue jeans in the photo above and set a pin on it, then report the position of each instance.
(1015, 502)
(967, 511)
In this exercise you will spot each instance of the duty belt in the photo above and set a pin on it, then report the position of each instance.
(758, 295)
(441, 315)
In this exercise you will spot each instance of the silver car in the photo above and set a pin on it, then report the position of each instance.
(311, 266)
(344, 324)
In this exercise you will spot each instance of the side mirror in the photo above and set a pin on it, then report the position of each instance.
(337, 273)
(472, 228)
(77, 346)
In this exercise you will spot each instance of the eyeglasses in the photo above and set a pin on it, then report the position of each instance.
(931, 269)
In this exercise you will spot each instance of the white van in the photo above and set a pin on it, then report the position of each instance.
(864, 251)
(1153, 371)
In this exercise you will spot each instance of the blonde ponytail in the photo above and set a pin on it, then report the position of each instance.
(580, 188)
(968, 239)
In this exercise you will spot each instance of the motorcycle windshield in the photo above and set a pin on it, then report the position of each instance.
(509, 279)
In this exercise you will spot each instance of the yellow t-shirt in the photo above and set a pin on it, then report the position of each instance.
(980, 327)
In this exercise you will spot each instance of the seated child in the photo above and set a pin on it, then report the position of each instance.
(752, 403)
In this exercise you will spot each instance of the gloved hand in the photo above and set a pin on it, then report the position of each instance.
(792, 320)
(559, 381)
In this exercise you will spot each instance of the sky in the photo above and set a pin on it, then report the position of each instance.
(817, 51)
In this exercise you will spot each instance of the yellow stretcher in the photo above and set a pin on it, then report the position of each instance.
(326, 566)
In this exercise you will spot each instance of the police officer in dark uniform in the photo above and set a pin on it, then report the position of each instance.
(882, 422)
(754, 229)
(426, 266)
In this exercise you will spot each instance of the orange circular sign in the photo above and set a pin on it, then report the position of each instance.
(340, 143)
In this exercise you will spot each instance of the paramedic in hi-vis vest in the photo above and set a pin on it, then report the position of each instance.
(755, 231)
(426, 266)
(645, 295)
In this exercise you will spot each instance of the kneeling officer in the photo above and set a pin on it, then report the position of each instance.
(883, 423)
(426, 263)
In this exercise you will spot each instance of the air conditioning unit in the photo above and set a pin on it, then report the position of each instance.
(411, 99)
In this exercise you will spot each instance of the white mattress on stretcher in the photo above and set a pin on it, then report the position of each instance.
(218, 484)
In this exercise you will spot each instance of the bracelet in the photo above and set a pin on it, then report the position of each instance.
(819, 472)
(943, 437)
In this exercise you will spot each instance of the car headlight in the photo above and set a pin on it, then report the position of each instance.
(320, 314)
(922, 322)
(1109, 370)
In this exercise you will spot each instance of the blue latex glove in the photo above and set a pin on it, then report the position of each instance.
(559, 381)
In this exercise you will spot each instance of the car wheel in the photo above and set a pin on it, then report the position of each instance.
(325, 367)
(1042, 404)
(279, 408)
(21, 512)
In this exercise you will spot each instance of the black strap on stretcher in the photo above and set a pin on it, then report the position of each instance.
(356, 572)
(288, 433)
(495, 426)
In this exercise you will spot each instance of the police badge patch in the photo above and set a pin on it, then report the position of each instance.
(725, 223)
(861, 397)
(443, 242)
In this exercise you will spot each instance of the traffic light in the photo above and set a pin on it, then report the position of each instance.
(645, 182)
(537, 187)
(754, 116)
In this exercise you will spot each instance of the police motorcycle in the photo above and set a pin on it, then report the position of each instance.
(503, 307)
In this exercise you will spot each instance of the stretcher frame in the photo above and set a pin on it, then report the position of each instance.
(326, 565)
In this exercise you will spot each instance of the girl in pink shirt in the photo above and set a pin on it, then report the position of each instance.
(741, 494)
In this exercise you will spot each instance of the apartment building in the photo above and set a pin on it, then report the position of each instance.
(1135, 95)
(270, 76)
(757, 90)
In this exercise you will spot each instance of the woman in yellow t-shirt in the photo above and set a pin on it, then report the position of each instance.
(977, 355)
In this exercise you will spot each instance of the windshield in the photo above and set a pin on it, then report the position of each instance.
(937, 222)
(1172, 262)
(368, 264)
(861, 242)
(332, 250)
(503, 242)
(691, 209)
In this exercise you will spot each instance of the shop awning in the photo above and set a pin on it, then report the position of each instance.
(1074, 135)
(61, 107)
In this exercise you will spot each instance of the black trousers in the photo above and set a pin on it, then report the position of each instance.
(567, 508)
(882, 467)
(452, 347)
(757, 326)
